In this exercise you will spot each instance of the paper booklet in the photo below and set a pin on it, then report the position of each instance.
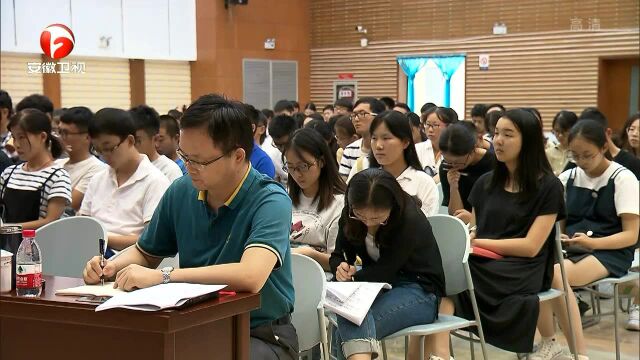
(161, 297)
(352, 300)
(95, 290)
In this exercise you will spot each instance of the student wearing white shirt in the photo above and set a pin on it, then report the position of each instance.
(147, 124)
(317, 194)
(81, 164)
(436, 119)
(354, 155)
(393, 150)
(124, 196)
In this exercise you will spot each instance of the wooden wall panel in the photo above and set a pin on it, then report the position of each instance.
(15, 78)
(333, 21)
(105, 83)
(167, 84)
(550, 71)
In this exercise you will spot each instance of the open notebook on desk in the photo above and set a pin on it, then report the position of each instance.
(161, 297)
(91, 290)
(352, 300)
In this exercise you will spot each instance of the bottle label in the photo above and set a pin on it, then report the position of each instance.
(28, 276)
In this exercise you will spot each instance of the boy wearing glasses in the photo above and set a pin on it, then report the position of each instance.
(124, 196)
(363, 113)
(81, 164)
(229, 223)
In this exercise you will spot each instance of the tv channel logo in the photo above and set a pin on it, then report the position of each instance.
(57, 41)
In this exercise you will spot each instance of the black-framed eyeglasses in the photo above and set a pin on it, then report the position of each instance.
(361, 115)
(576, 157)
(302, 168)
(452, 163)
(379, 221)
(198, 165)
(431, 125)
(64, 133)
(109, 151)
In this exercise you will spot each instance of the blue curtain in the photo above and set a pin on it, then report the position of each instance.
(411, 66)
(448, 67)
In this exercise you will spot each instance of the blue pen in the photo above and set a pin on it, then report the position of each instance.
(101, 249)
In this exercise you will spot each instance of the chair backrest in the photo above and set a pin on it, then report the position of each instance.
(67, 244)
(441, 209)
(310, 283)
(452, 237)
(173, 262)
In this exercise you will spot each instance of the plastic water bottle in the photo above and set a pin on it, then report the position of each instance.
(29, 266)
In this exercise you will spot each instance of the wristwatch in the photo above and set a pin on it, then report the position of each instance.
(166, 274)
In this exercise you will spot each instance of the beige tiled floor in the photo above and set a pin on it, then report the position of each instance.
(599, 338)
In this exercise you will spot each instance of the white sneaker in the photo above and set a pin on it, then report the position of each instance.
(634, 318)
(547, 349)
(433, 357)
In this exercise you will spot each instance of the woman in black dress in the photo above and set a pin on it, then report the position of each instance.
(515, 207)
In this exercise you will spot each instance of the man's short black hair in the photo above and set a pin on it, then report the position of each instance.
(402, 106)
(283, 105)
(345, 103)
(375, 105)
(593, 113)
(36, 101)
(80, 116)
(145, 118)
(282, 125)
(328, 107)
(170, 124)
(226, 121)
(389, 102)
(268, 113)
(5, 101)
(479, 110)
(110, 121)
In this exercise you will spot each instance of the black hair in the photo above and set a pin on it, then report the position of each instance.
(398, 125)
(299, 118)
(324, 130)
(344, 121)
(624, 136)
(375, 105)
(170, 125)
(444, 114)
(458, 139)
(145, 118)
(535, 113)
(315, 116)
(345, 103)
(532, 160)
(36, 101)
(310, 106)
(590, 130)
(176, 114)
(295, 105)
(592, 113)
(34, 121)
(226, 121)
(491, 119)
(388, 102)
(283, 105)
(373, 188)
(502, 108)
(564, 120)
(80, 116)
(268, 113)
(5, 101)
(328, 107)
(282, 125)
(427, 106)
(110, 121)
(257, 119)
(479, 110)
(309, 141)
(414, 120)
(403, 106)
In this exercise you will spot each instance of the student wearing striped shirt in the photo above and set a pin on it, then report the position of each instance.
(354, 154)
(36, 192)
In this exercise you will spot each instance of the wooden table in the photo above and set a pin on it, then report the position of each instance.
(59, 327)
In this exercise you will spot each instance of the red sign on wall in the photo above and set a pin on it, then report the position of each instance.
(345, 76)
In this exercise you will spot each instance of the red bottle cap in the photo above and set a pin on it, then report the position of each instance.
(28, 233)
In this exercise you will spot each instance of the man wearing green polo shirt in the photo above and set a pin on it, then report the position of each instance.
(229, 223)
